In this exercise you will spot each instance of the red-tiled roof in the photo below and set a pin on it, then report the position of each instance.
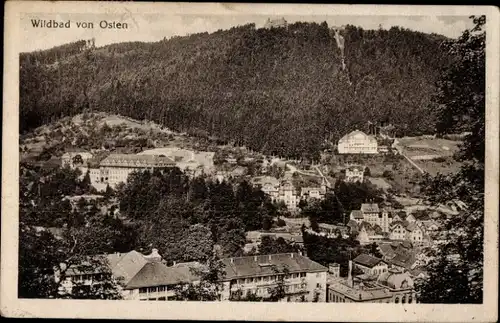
(263, 265)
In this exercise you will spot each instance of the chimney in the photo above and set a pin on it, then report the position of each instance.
(291, 255)
(254, 258)
(269, 257)
(349, 274)
(232, 261)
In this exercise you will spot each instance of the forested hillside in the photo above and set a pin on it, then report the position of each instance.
(280, 91)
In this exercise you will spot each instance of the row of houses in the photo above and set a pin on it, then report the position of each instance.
(147, 277)
(375, 224)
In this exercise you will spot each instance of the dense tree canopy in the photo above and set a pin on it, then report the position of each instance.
(325, 250)
(247, 85)
(55, 234)
(456, 269)
(184, 218)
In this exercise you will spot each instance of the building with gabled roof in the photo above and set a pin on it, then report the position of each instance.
(304, 278)
(141, 277)
(276, 23)
(370, 265)
(116, 168)
(357, 142)
(368, 208)
(354, 173)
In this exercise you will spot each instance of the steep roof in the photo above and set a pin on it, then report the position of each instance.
(366, 225)
(405, 260)
(395, 223)
(126, 265)
(367, 260)
(250, 266)
(158, 274)
(421, 216)
(369, 208)
(402, 215)
(353, 225)
(387, 250)
(396, 280)
(412, 227)
(357, 214)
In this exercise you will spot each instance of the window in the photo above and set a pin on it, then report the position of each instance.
(142, 290)
(403, 299)
(318, 285)
(410, 299)
(396, 300)
(302, 275)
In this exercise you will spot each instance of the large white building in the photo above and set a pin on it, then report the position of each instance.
(116, 168)
(304, 279)
(357, 142)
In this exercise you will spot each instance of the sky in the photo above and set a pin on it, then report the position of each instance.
(154, 27)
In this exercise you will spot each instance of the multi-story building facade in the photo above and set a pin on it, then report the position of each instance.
(116, 168)
(398, 231)
(142, 277)
(276, 23)
(284, 191)
(370, 265)
(303, 278)
(288, 195)
(271, 190)
(354, 174)
(307, 193)
(75, 158)
(357, 142)
(372, 214)
(147, 277)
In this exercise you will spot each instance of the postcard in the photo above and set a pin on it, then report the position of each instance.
(276, 162)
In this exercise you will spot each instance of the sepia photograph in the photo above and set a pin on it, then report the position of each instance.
(249, 155)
